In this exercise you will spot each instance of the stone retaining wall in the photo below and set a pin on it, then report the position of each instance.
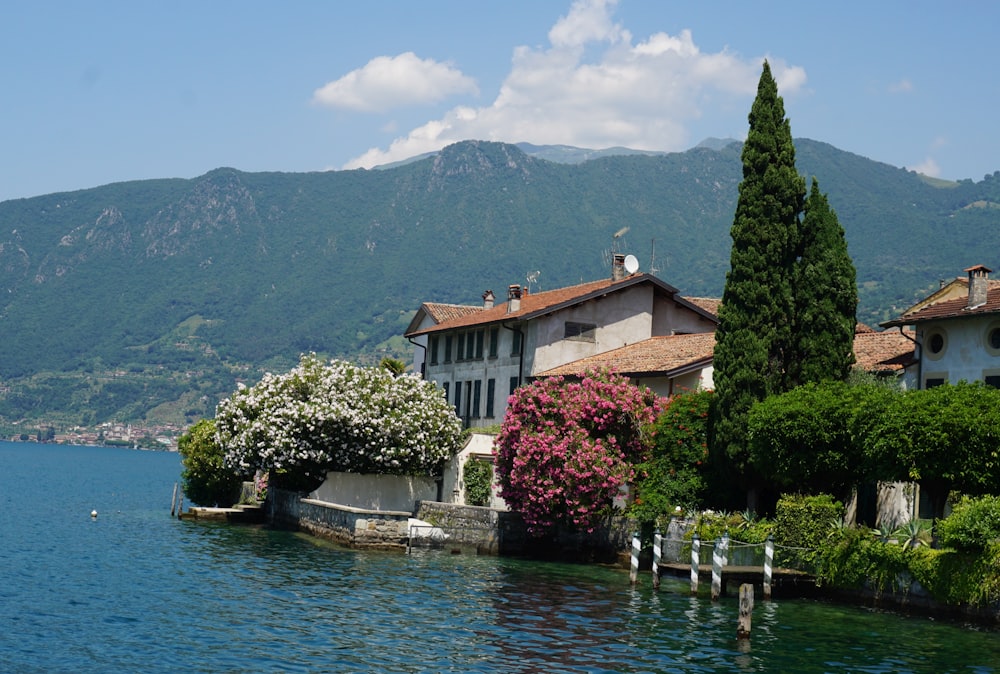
(354, 527)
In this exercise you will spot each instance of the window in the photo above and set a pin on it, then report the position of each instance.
(477, 396)
(460, 351)
(447, 349)
(580, 332)
(515, 344)
(931, 382)
(480, 335)
(458, 398)
(470, 346)
(432, 350)
(993, 338)
(491, 394)
(494, 341)
(447, 389)
(513, 386)
(935, 343)
(992, 380)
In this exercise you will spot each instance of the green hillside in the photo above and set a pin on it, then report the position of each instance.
(147, 301)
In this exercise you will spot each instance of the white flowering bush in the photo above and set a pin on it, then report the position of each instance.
(335, 416)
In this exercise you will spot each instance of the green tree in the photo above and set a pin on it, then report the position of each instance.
(810, 438)
(945, 438)
(826, 297)
(207, 480)
(754, 339)
(676, 473)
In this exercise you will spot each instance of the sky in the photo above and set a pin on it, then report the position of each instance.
(117, 90)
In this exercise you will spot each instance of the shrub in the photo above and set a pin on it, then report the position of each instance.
(802, 526)
(566, 448)
(478, 477)
(337, 416)
(974, 524)
(207, 480)
(675, 474)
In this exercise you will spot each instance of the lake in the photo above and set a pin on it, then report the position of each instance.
(135, 590)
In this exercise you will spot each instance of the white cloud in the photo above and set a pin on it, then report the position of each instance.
(927, 167)
(387, 82)
(903, 86)
(643, 95)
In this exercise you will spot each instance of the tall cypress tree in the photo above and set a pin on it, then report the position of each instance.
(826, 296)
(755, 338)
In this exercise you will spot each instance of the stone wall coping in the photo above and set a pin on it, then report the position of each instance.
(357, 511)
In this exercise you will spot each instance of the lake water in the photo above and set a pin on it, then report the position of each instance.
(138, 591)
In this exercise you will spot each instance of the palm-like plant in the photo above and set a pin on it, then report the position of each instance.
(913, 534)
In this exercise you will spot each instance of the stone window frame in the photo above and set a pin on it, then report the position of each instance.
(992, 328)
(929, 336)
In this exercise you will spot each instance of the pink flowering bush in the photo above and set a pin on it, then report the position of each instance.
(566, 448)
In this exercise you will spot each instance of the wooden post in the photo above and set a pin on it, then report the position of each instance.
(717, 569)
(746, 611)
(695, 562)
(633, 574)
(725, 548)
(657, 546)
(173, 500)
(768, 564)
(180, 506)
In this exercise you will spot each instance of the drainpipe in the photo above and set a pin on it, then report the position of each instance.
(423, 361)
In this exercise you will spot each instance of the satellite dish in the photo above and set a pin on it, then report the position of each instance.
(631, 264)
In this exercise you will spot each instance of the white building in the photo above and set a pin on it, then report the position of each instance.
(479, 355)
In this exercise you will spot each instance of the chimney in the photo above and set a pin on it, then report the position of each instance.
(979, 277)
(488, 299)
(618, 267)
(513, 298)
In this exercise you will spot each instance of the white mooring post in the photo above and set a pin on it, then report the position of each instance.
(768, 564)
(657, 551)
(717, 569)
(695, 562)
(633, 573)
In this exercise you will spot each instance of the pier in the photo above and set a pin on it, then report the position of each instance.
(786, 582)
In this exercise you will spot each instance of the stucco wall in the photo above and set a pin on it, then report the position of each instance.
(479, 447)
(966, 355)
(376, 492)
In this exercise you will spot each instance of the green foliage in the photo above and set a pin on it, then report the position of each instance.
(812, 437)
(946, 438)
(802, 526)
(857, 560)
(973, 525)
(675, 473)
(756, 316)
(207, 480)
(393, 365)
(478, 478)
(826, 297)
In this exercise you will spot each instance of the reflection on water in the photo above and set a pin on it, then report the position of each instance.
(138, 591)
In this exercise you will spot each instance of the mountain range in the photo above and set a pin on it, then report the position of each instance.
(148, 301)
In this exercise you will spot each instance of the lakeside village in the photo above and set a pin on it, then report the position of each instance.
(160, 437)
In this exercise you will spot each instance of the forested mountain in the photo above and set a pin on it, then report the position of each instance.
(150, 299)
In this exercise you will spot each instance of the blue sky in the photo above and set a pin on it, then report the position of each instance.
(116, 90)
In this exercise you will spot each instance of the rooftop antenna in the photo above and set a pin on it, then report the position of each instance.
(532, 278)
(653, 269)
(615, 245)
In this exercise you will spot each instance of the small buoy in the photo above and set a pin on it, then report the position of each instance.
(93, 514)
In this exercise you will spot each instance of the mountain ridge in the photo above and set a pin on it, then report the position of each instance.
(187, 286)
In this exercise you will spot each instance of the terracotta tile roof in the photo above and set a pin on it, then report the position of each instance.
(952, 307)
(861, 328)
(709, 304)
(657, 355)
(888, 351)
(447, 312)
(535, 304)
